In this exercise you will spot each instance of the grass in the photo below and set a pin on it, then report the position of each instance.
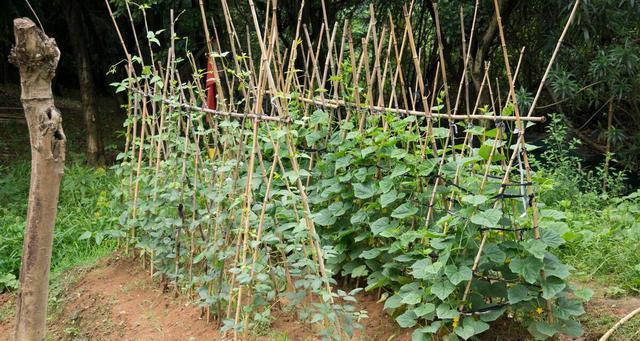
(604, 238)
(84, 222)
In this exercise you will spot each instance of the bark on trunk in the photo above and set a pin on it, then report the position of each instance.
(36, 56)
(76, 27)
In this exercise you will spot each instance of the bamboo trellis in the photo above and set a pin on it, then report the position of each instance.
(260, 90)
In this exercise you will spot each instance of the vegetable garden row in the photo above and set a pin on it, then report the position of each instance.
(322, 172)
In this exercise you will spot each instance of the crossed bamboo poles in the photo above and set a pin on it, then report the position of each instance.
(153, 104)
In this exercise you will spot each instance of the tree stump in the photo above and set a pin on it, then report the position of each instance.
(36, 56)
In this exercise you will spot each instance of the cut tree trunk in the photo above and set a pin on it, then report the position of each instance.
(36, 56)
(77, 34)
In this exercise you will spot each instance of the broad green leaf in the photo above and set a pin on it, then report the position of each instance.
(388, 198)
(551, 238)
(363, 191)
(442, 289)
(359, 217)
(370, 254)
(360, 271)
(424, 309)
(440, 133)
(465, 332)
(552, 214)
(413, 297)
(541, 329)
(552, 286)
(475, 200)
(529, 268)
(319, 117)
(407, 320)
(478, 325)
(584, 294)
(418, 269)
(571, 328)
(381, 225)
(426, 167)
(569, 307)
(399, 170)
(368, 151)
(488, 218)
(458, 274)
(519, 293)
(344, 162)
(324, 218)
(535, 247)
(444, 311)
(434, 268)
(393, 302)
(494, 253)
(403, 211)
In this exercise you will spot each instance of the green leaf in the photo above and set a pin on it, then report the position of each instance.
(458, 274)
(360, 271)
(535, 247)
(370, 254)
(584, 294)
(426, 167)
(569, 307)
(399, 170)
(551, 238)
(541, 329)
(388, 198)
(424, 309)
(363, 191)
(494, 253)
(442, 289)
(432, 328)
(471, 327)
(475, 200)
(519, 293)
(393, 302)
(403, 211)
(418, 269)
(478, 325)
(407, 320)
(552, 286)
(413, 297)
(85, 235)
(434, 268)
(382, 224)
(359, 217)
(319, 117)
(444, 311)
(368, 151)
(571, 328)
(344, 162)
(324, 218)
(465, 332)
(529, 268)
(488, 218)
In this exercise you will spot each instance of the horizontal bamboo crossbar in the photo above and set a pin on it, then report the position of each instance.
(216, 112)
(334, 104)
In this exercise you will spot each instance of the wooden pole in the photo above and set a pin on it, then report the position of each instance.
(37, 56)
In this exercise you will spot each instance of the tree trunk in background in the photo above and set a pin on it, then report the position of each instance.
(37, 57)
(77, 33)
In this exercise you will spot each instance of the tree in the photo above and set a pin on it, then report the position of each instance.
(78, 35)
(37, 56)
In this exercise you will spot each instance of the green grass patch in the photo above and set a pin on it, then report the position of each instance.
(84, 222)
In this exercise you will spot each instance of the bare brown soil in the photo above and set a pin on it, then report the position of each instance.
(117, 300)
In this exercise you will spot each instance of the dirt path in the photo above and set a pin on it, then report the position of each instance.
(116, 300)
